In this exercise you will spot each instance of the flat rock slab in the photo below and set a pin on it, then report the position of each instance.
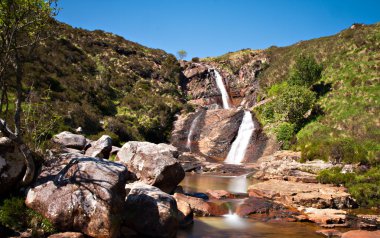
(361, 234)
(330, 232)
(286, 165)
(325, 216)
(303, 194)
(67, 235)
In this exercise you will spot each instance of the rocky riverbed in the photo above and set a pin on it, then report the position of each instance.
(82, 192)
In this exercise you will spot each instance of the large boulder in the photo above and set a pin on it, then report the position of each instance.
(153, 164)
(70, 140)
(81, 194)
(100, 148)
(150, 212)
(303, 194)
(12, 165)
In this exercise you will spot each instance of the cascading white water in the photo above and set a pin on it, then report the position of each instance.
(222, 89)
(194, 124)
(240, 144)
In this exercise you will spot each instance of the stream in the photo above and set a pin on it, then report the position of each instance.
(231, 225)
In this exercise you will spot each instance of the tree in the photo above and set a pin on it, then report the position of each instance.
(292, 104)
(305, 72)
(23, 24)
(181, 54)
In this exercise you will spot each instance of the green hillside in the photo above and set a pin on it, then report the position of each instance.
(347, 120)
(102, 83)
(336, 116)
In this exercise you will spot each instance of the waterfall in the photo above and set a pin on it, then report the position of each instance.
(240, 145)
(194, 124)
(222, 89)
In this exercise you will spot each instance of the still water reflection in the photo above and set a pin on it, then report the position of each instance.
(231, 225)
(201, 183)
(226, 227)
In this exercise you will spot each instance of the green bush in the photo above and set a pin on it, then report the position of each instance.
(278, 88)
(318, 141)
(292, 104)
(284, 134)
(363, 186)
(195, 59)
(15, 215)
(305, 72)
(12, 213)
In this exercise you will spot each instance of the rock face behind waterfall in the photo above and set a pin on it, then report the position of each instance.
(239, 72)
(215, 132)
(201, 86)
(153, 164)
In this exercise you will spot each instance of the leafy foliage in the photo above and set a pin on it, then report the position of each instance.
(284, 133)
(293, 103)
(345, 127)
(305, 72)
(363, 186)
(182, 54)
(102, 83)
(15, 215)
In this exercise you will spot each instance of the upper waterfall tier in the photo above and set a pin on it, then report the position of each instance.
(222, 89)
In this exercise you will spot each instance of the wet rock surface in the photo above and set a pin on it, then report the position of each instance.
(219, 194)
(201, 207)
(153, 164)
(265, 209)
(330, 232)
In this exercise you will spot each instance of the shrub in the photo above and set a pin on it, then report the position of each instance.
(305, 72)
(293, 103)
(195, 60)
(363, 186)
(15, 215)
(278, 88)
(284, 134)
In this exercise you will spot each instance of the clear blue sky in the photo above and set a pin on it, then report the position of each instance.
(214, 27)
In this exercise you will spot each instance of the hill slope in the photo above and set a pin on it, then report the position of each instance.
(345, 119)
(101, 82)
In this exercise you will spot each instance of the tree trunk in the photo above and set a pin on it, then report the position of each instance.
(29, 161)
(16, 137)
